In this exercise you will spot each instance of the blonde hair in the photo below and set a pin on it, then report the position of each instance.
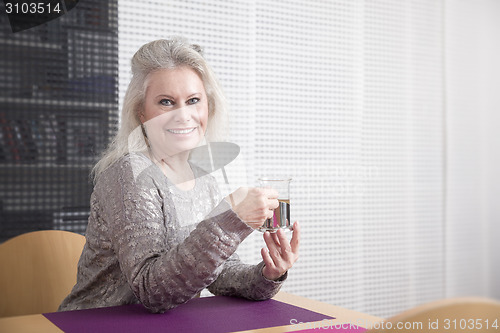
(153, 56)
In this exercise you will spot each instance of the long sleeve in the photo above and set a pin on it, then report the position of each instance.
(243, 280)
(145, 243)
(161, 277)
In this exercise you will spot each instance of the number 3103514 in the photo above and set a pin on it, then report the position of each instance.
(32, 8)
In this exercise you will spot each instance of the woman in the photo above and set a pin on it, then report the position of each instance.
(159, 231)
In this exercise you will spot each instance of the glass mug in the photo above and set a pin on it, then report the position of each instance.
(281, 216)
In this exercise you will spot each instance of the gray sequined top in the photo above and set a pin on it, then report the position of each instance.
(150, 242)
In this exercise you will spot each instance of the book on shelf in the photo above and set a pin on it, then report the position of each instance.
(9, 136)
(47, 138)
(50, 139)
(59, 127)
(83, 139)
(37, 139)
(27, 141)
(3, 148)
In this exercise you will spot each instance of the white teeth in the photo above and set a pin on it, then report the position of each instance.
(185, 131)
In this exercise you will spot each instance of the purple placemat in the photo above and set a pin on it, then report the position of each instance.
(209, 314)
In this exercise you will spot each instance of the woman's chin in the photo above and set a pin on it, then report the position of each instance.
(184, 148)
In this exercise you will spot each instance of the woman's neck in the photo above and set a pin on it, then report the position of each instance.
(178, 170)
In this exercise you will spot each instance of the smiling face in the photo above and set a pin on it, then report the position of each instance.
(175, 111)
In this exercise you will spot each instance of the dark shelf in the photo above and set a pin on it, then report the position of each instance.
(58, 110)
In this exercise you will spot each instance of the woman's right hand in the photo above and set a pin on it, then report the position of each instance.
(253, 205)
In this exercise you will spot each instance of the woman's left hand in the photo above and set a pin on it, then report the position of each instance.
(280, 254)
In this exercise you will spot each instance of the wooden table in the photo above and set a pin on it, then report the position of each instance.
(39, 324)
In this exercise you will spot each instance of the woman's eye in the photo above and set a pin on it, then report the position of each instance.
(193, 100)
(166, 102)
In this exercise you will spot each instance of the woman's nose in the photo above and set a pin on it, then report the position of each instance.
(184, 114)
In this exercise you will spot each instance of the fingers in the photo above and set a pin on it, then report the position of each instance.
(272, 243)
(273, 203)
(269, 214)
(270, 256)
(268, 261)
(253, 205)
(270, 193)
(278, 257)
(286, 250)
(275, 238)
(280, 249)
(295, 242)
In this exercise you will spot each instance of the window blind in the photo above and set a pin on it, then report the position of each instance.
(472, 219)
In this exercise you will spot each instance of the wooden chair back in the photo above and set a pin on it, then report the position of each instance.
(37, 270)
